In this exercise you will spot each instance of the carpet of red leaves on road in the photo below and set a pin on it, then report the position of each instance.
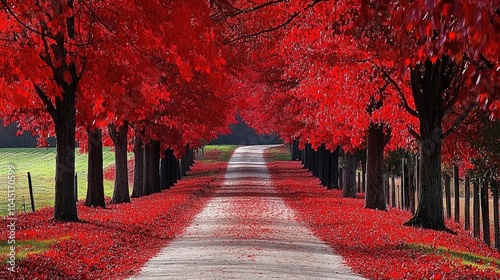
(374, 243)
(115, 242)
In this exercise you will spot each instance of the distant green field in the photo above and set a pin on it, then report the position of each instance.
(40, 162)
(218, 152)
(279, 153)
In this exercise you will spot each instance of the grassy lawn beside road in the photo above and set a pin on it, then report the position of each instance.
(41, 163)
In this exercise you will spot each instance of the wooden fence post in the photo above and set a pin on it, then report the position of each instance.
(341, 178)
(447, 192)
(403, 179)
(494, 187)
(457, 193)
(76, 186)
(359, 181)
(417, 180)
(467, 203)
(32, 198)
(363, 177)
(393, 200)
(387, 188)
(412, 190)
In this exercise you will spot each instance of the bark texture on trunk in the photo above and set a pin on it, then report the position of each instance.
(164, 172)
(152, 168)
(374, 193)
(334, 169)
(119, 137)
(171, 169)
(349, 188)
(138, 189)
(429, 82)
(295, 150)
(63, 114)
(65, 203)
(95, 176)
(325, 166)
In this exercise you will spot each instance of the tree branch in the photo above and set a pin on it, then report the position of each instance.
(247, 36)
(413, 133)
(460, 119)
(234, 12)
(258, 7)
(113, 134)
(45, 99)
(457, 86)
(404, 102)
(272, 29)
(46, 48)
(16, 18)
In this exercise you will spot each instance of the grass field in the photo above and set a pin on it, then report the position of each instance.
(218, 152)
(276, 154)
(40, 162)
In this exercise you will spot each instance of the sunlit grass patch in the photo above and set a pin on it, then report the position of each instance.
(466, 258)
(24, 248)
(218, 152)
(40, 162)
(277, 154)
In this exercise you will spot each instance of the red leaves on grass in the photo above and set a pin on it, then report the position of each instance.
(114, 242)
(374, 243)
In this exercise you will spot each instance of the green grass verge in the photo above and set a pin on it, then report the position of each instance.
(40, 162)
(218, 152)
(24, 248)
(465, 258)
(278, 154)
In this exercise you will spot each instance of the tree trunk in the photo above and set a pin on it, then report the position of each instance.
(315, 164)
(349, 188)
(447, 194)
(155, 161)
(295, 150)
(152, 168)
(95, 177)
(363, 176)
(189, 161)
(429, 82)
(485, 211)
(321, 151)
(164, 171)
(325, 170)
(303, 156)
(467, 203)
(307, 157)
(119, 137)
(184, 164)
(475, 209)
(138, 189)
(374, 194)
(65, 204)
(178, 169)
(334, 169)
(171, 170)
(430, 213)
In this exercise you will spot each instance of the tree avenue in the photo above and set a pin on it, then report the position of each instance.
(359, 74)
(371, 76)
(72, 64)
